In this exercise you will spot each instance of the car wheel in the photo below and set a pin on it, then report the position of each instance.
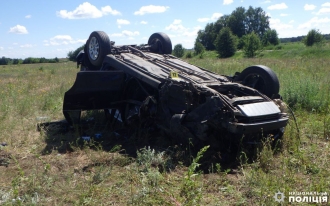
(160, 43)
(261, 78)
(97, 47)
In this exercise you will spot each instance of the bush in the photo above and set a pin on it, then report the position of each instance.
(73, 54)
(226, 43)
(251, 45)
(270, 37)
(313, 37)
(241, 42)
(199, 48)
(178, 50)
(189, 54)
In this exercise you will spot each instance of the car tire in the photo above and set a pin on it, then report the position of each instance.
(261, 78)
(97, 47)
(160, 43)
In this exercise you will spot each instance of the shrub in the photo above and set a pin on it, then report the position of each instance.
(73, 54)
(313, 37)
(199, 48)
(270, 37)
(226, 43)
(178, 50)
(189, 54)
(241, 42)
(252, 45)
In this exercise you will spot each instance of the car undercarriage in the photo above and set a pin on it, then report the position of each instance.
(145, 83)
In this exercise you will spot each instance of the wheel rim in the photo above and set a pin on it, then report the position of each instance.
(94, 48)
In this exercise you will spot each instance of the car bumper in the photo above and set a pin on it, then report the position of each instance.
(246, 128)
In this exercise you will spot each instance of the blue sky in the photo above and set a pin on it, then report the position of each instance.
(51, 29)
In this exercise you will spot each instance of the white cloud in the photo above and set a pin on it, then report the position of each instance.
(125, 33)
(1, 48)
(227, 2)
(122, 22)
(176, 26)
(62, 37)
(284, 14)
(181, 34)
(62, 40)
(108, 10)
(143, 22)
(214, 17)
(28, 16)
(283, 29)
(193, 32)
(18, 29)
(151, 9)
(180, 30)
(266, 2)
(116, 35)
(315, 22)
(309, 7)
(323, 11)
(86, 11)
(278, 25)
(130, 33)
(278, 6)
(177, 21)
(327, 4)
(26, 46)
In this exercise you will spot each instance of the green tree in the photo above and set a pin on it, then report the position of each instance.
(178, 50)
(207, 36)
(257, 21)
(240, 21)
(237, 21)
(73, 54)
(4, 61)
(270, 37)
(252, 45)
(226, 43)
(313, 37)
(199, 48)
(241, 42)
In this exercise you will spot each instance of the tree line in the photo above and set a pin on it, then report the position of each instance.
(301, 38)
(29, 60)
(244, 29)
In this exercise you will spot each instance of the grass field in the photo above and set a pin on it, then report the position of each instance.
(46, 168)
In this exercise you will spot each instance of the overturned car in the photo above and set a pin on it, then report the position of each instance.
(145, 83)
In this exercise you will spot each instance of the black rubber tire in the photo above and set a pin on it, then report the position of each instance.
(97, 47)
(261, 78)
(160, 43)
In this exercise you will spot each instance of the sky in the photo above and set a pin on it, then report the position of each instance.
(50, 29)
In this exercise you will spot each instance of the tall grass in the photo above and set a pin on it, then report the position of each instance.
(60, 169)
(304, 82)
